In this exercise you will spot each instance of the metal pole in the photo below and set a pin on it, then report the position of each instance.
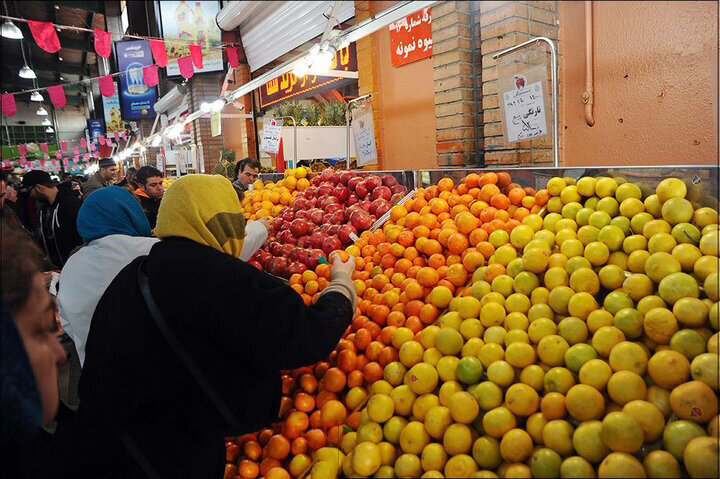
(553, 76)
(347, 126)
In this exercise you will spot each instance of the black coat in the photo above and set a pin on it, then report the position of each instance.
(58, 233)
(241, 327)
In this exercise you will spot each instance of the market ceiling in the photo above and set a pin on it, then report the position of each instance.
(78, 53)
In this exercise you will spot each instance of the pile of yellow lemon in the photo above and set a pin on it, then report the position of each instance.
(266, 200)
(586, 347)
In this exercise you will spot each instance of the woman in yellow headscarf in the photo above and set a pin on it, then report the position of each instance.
(187, 344)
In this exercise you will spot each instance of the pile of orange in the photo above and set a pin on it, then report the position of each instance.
(437, 238)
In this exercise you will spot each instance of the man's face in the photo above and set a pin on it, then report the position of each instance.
(153, 187)
(108, 173)
(248, 175)
(36, 324)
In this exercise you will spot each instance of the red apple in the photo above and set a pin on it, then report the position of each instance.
(331, 244)
(382, 192)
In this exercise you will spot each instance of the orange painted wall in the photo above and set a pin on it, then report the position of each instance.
(407, 102)
(656, 83)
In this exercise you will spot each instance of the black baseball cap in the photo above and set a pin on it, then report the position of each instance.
(35, 177)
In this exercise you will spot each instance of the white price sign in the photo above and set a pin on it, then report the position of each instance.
(525, 112)
(364, 132)
(272, 131)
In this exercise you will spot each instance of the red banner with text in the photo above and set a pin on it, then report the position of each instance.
(411, 38)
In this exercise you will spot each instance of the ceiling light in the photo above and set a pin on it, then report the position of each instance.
(61, 77)
(217, 105)
(60, 58)
(157, 140)
(301, 68)
(46, 122)
(205, 106)
(323, 60)
(49, 129)
(27, 72)
(42, 111)
(36, 96)
(10, 30)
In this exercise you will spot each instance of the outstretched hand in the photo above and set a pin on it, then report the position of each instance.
(340, 266)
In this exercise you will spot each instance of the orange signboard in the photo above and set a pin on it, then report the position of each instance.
(411, 38)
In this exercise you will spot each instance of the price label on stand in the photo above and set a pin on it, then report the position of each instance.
(271, 134)
(525, 111)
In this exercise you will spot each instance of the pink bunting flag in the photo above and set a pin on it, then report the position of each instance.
(86, 156)
(76, 150)
(159, 52)
(8, 104)
(101, 139)
(64, 146)
(58, 154)
(22, 149)
(96, 154)
(107, 86)
(53, 162)
(22, 159)
(117, 137)
(109, 142)
(83, 143)
(102, 43)
(57, 96)
(92, 146)
(44, 147)
(185, 64)
(196, 55)
(45, 35)
(42, 163)
(65, 161)
(76, 159)
(232, 54)
(150, 75)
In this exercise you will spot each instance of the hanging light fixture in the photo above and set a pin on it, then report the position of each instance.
(36, 96)
(26, 71)
(41, 111)
(49, 129)
(11, 31)
(46, 122)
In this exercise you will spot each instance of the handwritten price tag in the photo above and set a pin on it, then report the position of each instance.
(525, 112)
(271, 134)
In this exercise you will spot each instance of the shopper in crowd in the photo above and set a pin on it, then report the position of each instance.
(172, 364)
(115, 232)
(128, 182)
(150, 192)
(30, 352)
(246, 172)
(8, 214)
(57, 230)
(104, 176)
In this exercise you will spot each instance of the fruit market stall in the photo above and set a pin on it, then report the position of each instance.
(523, 323)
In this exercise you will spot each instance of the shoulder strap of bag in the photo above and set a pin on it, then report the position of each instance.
(181, 352)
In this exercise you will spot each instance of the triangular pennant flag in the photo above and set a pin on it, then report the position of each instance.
(53, 162)
(45, 35)
(102, 43)
(185, 64)
(101, 139)
(8, 104)
(109, 142)
(107, 86)
(76, 150)
(83, 143)
(96, 154)
(196, 55)
(117, 137)
(22, 149)
(65, 161)
(44, 147)
(159, 52)
(42, 163)
(57, 96)
(86, 156)
(92, 146)
(150, 75)
(58, 154)
(64, 145)
(232, 54)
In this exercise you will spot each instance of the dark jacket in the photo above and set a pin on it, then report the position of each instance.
(133, 385)
(95, 182)
(150, 206)
(57, 230)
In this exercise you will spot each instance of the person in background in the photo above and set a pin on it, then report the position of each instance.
(155, 399)
(104, 176)
(246, 172)
(57, 229)
(30, 353)
(129, 182)
(8, 214)
(115, 232)
(150, 192)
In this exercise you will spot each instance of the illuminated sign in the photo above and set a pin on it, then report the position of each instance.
(289, 86)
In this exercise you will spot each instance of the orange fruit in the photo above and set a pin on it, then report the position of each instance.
(457, 243)
(472, 180)
(427, 277)
(279, 446)
(248, 469)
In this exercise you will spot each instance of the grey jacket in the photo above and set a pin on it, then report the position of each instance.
(95, 182)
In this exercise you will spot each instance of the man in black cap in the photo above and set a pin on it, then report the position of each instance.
(57, 232)
(104, 176)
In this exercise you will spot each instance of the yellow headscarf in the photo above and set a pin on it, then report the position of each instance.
(205, 209)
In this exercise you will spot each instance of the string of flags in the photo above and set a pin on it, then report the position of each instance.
(47, 39)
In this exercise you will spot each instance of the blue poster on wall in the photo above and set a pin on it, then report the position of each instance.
(137, 98)
(96, 127)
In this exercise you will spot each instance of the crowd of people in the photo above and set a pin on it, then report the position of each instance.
(141, 287)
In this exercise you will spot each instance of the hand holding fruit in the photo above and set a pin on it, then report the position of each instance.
(339, 266)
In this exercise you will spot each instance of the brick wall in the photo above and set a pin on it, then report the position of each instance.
(503, 24)
(453, 72)
(205, 88)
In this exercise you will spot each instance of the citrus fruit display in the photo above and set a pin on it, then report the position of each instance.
(504, 332)
(267, 199)
(324, 215)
